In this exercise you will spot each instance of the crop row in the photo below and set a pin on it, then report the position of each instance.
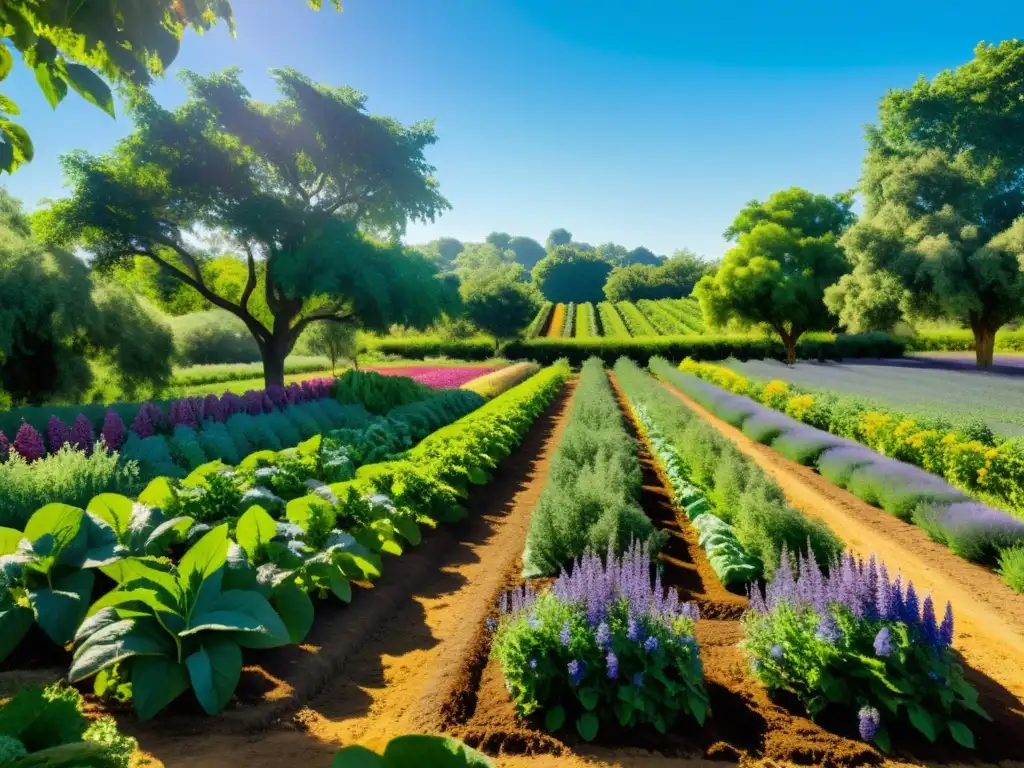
(665, 322)
(533, 330)
(238, 581)
(637, 323)
(586, 322)
(970, 529)
(568, 330)
(494, 383)
(612, 324)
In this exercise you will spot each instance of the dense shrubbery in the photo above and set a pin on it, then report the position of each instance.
(604, 645)
(589, 502)
(420, 347)
(856, 639)
(536, 326)
(968, 456)
(664, 322)
(738, 491)
(215, 373)
(963, 341)
(214, 336)
(586, 322)
(376, 392)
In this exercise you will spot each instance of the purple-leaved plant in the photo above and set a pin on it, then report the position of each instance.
(57, 434)
(28, 443)
(82, 436)
(5, 447)
(113, 431)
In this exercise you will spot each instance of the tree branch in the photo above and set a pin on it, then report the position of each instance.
(250, 284)
(333, 315)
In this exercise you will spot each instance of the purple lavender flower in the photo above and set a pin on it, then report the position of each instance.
(603, 636)
(870, 720)
(29, 443)
(613, 665)
(5, 447)
(566, 634)
(277, 396)
(113, 431)
(777, 653)
(911, 612)
(633, 631)
(82, 436)
(828, 630)
(143, 424)
(253, 402)
(576, 671)
(57, 434)
(946, 629)
(638, 680)
(929, 626)
(883, 642)
(651, 644)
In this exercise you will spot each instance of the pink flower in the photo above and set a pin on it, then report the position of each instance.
(5, 447)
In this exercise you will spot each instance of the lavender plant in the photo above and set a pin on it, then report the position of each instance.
(604, 644)
(856, 638)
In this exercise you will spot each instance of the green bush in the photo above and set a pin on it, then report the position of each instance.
(214, 336)
(217, 443)
(153, 455)
(376, 392)
(185, 447)
(589, 502)
(420, 347)
(1011, 567)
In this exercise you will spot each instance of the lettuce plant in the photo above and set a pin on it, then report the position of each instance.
(603, 645)
(412, 752)
(856, 638)
(134, 530)
(169, 631)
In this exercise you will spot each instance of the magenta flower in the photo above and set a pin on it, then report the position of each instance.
(82, 437)
(5, 447)
(57, 434)
(29, 443)
(113, 431)
(438, 378)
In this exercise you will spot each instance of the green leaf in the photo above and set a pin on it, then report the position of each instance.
(340, 586)
(62, 521)
(271, 632)
(922, 720)
(882, 739)
(587, 726)
(157, 494)
(113, 509)
(214, 671)
(408, 529)
(255, 528)
(206, 556)
(961, 734)
(167, 532)
(156, 682)
(623, 712)
(50, 82)
(117, 641)
(19, 142)
(554, 719)
(293, 605)
(60, 610)
(357, 757)
(10, 538)
(19, 713)
(698, 706)
(588, 698)
(8, 106)
(6, 61)
(433, 751)
(14, 625)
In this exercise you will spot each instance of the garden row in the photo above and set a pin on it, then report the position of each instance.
(232, 558)
(971, 529)
(607, 647)
(577, 350)
(619, 320)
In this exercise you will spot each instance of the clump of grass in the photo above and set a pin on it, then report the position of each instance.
(1011, 567)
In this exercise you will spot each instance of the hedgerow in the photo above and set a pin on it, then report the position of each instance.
(495, 383)
(612, 326)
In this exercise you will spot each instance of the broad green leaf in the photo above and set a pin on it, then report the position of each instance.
(293, 605)
(435, 751)
(222, 621)
(50, 82)
(408, 529)
(6, 61)
(156, 682)
(113, 509)
(60, 610)
(554, 719)
(698, 707)
(922, 720)
(14, 624)
(357, 757)
(146, 568)
(253, 460)
(117, 641)
(587, 726)
(366, 567)
(882, 739)
(206, 556)
(89, 86)
(588, 698)
(157, 494)
(961, 734)
(298, 510)
(19, 141)
(9, 540)
(23, 709)
(214, 671)
(255, 528)
(169, 531)
(273, 634)
(62, 521)
(340, 586)
(148, 593)
(197, 477)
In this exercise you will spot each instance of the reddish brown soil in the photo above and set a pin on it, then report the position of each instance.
(368, 667)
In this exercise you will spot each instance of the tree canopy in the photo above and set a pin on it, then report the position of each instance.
(527, 251)
(298, 186)
(943, 190)
(558, 237)
(642, 255)
(499, 301)
(77, 45)
(567, 274)
(673, 278)
(777, 272)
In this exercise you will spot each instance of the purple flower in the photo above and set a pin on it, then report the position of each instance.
(5, 447)
(113, 431)
(633, 631)
(532, 662)
(638, 680)
(82, 436)
(566, 634)
(777, 653)
(911, 612)
(929, 626)
(828, 630)
(146, 420)
(613, 665)
(576, 671)
(603, 636)
(870, 719)
(57, 434)
(946, 629)
(29, 443)
(651, 644)
(883, 643)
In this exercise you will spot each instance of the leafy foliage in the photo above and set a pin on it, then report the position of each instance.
(376, 392)
(673, 278)
(410, 752)
(499, 302)
(569, 274)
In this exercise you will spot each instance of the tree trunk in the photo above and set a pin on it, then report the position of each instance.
(984, 343)
(273, 353)
(789, 339)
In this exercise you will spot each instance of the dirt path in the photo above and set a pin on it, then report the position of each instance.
(379, 690)
(989, 616)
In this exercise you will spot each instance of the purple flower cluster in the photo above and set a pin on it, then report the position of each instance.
(57, 434)
(148, 419)
(186, 412)
(82, 437)
(113, 431)
(29, 443)
(5, 447)
(864, 588)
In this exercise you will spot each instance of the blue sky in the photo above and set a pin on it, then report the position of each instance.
(645, 123)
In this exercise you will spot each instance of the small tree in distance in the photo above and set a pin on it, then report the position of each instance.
(335, 341)
(499, 302)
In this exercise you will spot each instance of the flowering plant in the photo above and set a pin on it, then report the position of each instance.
(603, 644)
(854, 637)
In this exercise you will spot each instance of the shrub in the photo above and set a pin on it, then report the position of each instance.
(5, 447)
(837, 464)
(376, 392)
(603, 646)
(57, 434)
(898, 488)
(217, 443)
(153, 456)
(535, 327)
(589, 502)
(973, 531)
(854, 638)
(82, 437)
(28, 443)
(213, 336)
(283, 428)
(805, 444)
(494, 383)
(1011, 567)
(113, 432)
(185, 448)
(68, 476)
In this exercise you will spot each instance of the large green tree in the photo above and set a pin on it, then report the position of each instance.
(674, 278)
(297, 185)
(77, 43)
(499, 301)
(786, 254)
(558, 237)
(943, 192)
(567, 274)
(527, 250)
(642, 255)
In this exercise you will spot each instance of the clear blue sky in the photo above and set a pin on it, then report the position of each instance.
(645, 122)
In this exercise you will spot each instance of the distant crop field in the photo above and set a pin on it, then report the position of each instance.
(996, 399)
